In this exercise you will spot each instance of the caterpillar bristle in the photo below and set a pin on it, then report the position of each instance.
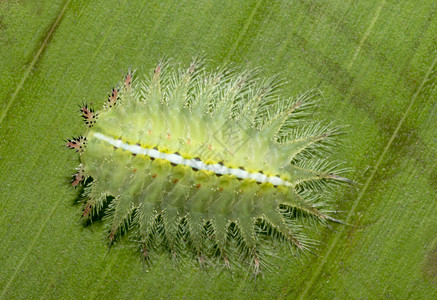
(78, 178)
(128, 80)
(112, 98)
(76, 143)
(88, 115)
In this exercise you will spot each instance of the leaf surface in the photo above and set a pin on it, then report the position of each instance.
(375, 63)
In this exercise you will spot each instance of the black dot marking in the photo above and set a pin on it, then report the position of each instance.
(197, 159)
(220, 163)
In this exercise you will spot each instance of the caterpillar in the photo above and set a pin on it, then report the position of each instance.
(213, 164)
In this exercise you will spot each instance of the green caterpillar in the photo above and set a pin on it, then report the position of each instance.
(215, 164)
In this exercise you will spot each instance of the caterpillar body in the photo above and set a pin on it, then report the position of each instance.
(214, 164)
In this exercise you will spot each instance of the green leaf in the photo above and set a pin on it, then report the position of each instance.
(374, 62)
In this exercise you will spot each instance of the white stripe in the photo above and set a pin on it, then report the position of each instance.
(193, 163)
